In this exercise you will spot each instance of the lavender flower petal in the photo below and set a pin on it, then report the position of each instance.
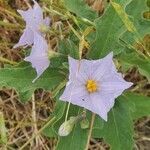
(102, 104)
(26, 38)
(39, 55)
(77, 96)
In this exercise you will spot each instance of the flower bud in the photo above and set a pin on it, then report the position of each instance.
(66, 128)
(84, 124)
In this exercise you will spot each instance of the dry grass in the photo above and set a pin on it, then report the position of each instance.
(24, 120)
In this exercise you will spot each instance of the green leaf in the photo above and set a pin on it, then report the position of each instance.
(139, 105)
(21, 80)
(135, 9)
(148, 3)
(109, 28)
(124, 17)
(133, 59)
(80, 8)
(68, 47)
(137, 12)
(118, 130)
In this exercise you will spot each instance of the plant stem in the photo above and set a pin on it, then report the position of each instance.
(67, 112)
(90, 131)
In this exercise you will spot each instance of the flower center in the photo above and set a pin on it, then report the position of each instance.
(91, 86)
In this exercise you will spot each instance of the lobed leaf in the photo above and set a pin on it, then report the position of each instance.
(21, 80)
(132, 59)
(118, 130)
(136, 9)
(109, 28)
(124, 17)
(80, 8)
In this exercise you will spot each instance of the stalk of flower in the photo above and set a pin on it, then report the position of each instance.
(94, 84)
(34, 33)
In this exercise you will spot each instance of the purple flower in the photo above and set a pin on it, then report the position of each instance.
(39, 55)
(94, 84)
(34, 22)
(33, 35)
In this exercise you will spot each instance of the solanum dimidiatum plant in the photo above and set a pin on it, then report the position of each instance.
(86, 74)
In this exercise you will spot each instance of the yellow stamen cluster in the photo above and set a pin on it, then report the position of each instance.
(91, 86)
